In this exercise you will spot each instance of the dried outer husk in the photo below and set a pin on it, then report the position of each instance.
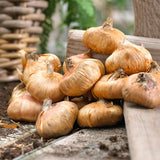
(103, 39)
(81, 78)
(17, 91)
(52, 58)
(99, 114)
(110, 85)
(22, 106)
(75, 59)
(45, 84)
(154, 68)
(32, 62)
(57, 119)
(143, 88)
(88, 96)
(79, 101)
(131, 58)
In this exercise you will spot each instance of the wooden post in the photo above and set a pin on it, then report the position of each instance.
(143, 134)
(147, 18)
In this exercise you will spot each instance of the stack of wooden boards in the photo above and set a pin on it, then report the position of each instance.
(19, 27)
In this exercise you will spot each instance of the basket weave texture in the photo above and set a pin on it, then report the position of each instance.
(19, 29)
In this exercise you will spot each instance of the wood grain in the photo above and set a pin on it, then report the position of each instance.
(147, 21)
(143, 131)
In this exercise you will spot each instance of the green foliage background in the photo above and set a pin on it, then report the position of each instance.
(121, 4)
(80, 12)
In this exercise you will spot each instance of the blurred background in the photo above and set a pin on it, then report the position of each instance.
(62, 15)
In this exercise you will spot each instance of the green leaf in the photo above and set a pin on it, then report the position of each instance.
(86, 6)
(82, 12)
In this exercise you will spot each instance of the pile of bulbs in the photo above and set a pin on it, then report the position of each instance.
(85, 92)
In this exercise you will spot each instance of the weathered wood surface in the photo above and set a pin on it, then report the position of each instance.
(89, 144)
(147, 21)
(143, 131)
(75, 45)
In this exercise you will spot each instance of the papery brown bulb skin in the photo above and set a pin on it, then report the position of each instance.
(142, 88)
(103, 40)
(58, 120)
(42, 85)
(81, 78)
(52, 58)
(18, 91)
(99, 114)
(24, 108)
(130, 58)
(40, 64)
(110, 86)
(76, 59)
(79, 101)
(154, 68)
(30, 69)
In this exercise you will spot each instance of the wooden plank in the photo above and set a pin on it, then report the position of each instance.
(89, 144)
(75, 45)
(143, 131)
(146, 18)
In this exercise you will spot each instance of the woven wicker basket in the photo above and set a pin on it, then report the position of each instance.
(19, 29)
